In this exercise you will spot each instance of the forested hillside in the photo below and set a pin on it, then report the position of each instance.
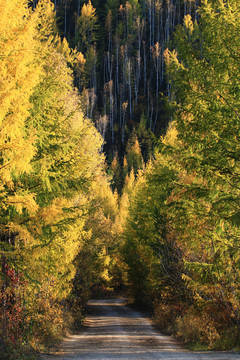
(119, 166)
(120, 71)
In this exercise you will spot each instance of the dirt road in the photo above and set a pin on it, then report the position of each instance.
(114, 331)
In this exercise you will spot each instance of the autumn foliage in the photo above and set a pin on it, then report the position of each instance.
(50, 159)
(182, 233)
(165, 222)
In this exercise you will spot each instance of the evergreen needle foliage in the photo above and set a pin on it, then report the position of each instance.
(164, 222)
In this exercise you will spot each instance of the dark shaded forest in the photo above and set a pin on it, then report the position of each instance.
(121, 72)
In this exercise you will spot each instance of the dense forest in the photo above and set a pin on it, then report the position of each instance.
(119, 166)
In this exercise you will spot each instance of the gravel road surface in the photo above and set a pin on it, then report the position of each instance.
(115, 331)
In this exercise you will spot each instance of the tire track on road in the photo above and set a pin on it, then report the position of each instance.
(115, 331)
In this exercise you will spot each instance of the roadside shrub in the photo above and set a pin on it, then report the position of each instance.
(196, 328)
(29, 321)
(165, 316)
(45, 320)
(208, 325)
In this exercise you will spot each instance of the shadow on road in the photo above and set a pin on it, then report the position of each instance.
(115, 331)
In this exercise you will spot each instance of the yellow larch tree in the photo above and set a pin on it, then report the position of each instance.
(50, 155)
(19, 73)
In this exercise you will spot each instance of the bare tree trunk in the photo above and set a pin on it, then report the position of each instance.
(190, 8)
(115, 103)
(162, 62)
(105, 100)
(148, 96)
(156, 50)
(120, 106)
(117, 66)
(124, 108)
(150, 24)
(185, 7)
(93, 75)
(174, 9)
(155, 121)
(101, 124)
(196, 7)
(87, 100)
(65, 19)
(93, 98)
(151, 116)
(144, 66)
(153, 22)
(167, 24)
(111, 109)
(129, 68)
(137, 77)
(109, 66)
(158, 9)
(179, 13)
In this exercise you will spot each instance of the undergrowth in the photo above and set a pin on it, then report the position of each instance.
(208, 328)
